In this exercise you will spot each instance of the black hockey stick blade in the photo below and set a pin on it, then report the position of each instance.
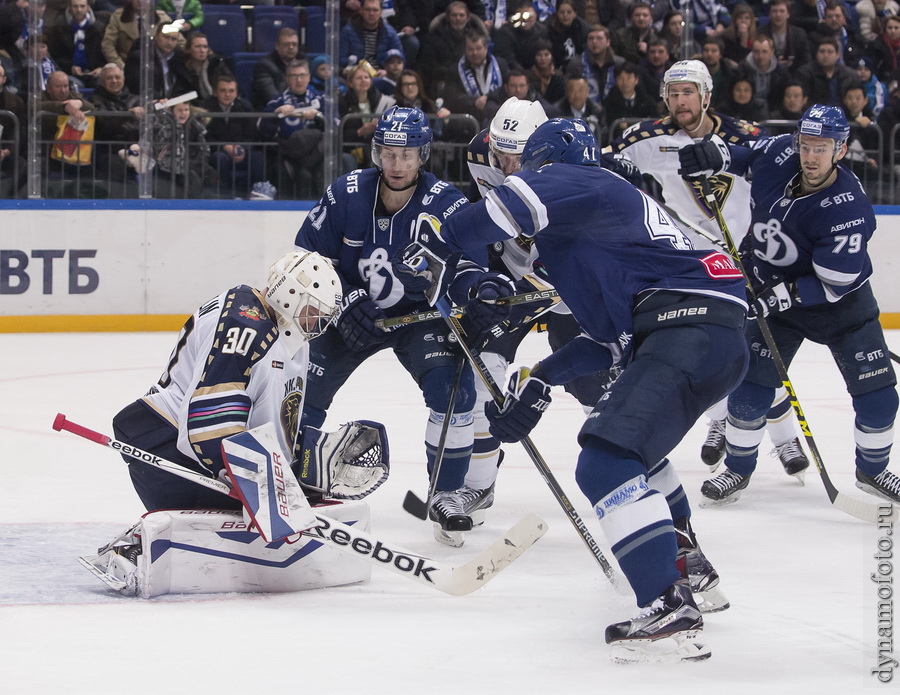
(415, 506)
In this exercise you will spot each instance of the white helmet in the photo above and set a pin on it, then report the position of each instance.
(304, 291)
(694, 71)
(513, 124)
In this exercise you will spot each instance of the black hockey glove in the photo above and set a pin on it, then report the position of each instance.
(527, 397)
(775, 296)
(482, 311)
(705, 158)
(357, 321)
(426, 266)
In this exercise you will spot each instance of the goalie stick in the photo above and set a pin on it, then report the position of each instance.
(457, 580)
(481, 369)
(411, 502)
(858, 508)
(524, 298)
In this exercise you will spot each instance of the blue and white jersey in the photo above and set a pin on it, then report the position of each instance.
(819, 240)
(227, 373)
(283, 127)
(346, 226)
(602, 241)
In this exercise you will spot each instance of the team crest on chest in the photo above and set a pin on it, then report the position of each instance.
(251, 312)
(721, 185)
(384, 223)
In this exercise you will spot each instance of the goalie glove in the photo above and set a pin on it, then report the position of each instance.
(527, 397)
(705, 158)
(348, 464)
(426, 266)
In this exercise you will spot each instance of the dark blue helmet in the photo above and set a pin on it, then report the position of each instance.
(402, 126)
(825, 122)
(561, 140)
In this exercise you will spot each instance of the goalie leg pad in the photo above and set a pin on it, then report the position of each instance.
(194, 552)
(348, 464)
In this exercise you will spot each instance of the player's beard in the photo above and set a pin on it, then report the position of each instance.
(691, 126)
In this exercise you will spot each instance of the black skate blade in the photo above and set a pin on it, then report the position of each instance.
(459, 523)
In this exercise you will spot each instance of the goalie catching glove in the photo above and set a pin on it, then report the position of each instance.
(527, 397)
(425, 267)
(348, 464)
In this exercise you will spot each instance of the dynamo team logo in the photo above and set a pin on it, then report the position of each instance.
(774, 246)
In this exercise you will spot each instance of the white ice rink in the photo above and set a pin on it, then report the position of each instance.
(797, 571)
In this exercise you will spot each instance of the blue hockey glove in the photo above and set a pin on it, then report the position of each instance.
(527, 397)
(426, 266)
(483, 312)
(776, 296)
(624, 167)
(357, 321)
(705, 158)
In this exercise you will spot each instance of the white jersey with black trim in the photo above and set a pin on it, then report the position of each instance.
(653, 147)
(227, 373)
(518, 258)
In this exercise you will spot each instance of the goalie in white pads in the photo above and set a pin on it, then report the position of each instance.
(240, 362)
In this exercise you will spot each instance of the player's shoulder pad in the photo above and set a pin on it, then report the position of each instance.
(244, 309)
(354, 182)
(736, 131)
(478, 148)
(845, 207)
(644, 130)
(439, 197)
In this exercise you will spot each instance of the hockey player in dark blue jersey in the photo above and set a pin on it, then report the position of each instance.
(671, 318)
(361, 221)
(808, 261)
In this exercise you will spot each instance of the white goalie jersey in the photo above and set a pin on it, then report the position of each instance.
(227, 373)
(653, 147)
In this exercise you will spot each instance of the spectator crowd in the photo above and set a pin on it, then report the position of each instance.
(599, 60)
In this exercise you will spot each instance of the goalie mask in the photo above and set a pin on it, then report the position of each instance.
(304, 291)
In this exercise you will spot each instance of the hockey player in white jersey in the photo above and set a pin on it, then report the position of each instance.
(653, 146)
(240, 362)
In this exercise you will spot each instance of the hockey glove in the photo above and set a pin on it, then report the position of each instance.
(482, 311)
(357, 322)
(705, 158)
(776, 296)
(426, 266)
(527, 397)
(618, 164)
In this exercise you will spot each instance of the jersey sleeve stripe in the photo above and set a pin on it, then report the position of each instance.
(834, 277)
(500, 215)
(531, 200)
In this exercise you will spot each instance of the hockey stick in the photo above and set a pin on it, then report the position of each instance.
(538, 460)
(454, 580)
(858, 508)
(411, 502)
(722, 245)
(524, 298)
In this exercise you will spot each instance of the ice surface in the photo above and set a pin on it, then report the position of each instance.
(797, 571)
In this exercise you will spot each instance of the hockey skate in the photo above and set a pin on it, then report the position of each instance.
(724, 489)
(450, 518)
(713, 450)
(476, 502)
(885, 485)
(665, 631)
(792, 458)
(701, 575)
(115, 564)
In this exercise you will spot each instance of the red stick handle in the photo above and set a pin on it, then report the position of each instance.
(60, 423)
